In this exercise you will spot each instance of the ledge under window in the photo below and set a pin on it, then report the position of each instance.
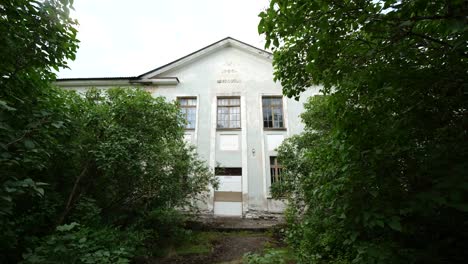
(228, 129)
(275, 129)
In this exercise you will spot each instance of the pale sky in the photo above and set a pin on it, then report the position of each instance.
(131, 37)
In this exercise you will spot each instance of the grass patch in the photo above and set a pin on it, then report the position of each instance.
(201, 242)
(197, 243)
(272, 256)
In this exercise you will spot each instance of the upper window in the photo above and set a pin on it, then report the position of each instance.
(272, 112)
(275, 170)
(229, 112)
(188, 107)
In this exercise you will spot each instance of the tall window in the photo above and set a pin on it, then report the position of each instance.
(272, 112)
(229, 112)
(188, 107)
(275, 170)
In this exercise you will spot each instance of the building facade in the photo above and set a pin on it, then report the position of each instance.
(236, 117)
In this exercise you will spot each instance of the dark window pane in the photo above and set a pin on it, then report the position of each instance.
(272, 112)
(228, 171)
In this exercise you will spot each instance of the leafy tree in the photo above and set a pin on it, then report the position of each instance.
(124, 165)
(36, 37)
(379, 176)
(129, 153)
(79, 174)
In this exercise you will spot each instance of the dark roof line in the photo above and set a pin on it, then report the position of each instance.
(131, 78)
(247, 44)
(213, 44)
(97, 78)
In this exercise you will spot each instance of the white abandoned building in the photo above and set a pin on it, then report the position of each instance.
(236, 117)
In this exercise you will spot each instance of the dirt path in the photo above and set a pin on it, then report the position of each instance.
(226, 249)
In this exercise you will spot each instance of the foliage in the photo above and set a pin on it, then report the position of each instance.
(331, 43)
(133, 155)
(104, 160)
(166, 227)
(379, 175)
(270, 256)
(37, 36)
(122, 162)
(73, 243)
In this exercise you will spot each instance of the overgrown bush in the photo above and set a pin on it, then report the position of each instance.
(380, 174)
(270, 256)
(73, 243)
(167, 225)
(104, 160)
(124, 163)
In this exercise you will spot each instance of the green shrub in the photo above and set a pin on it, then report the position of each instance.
(270, 256)
(380, 173)
(86, 212)
(74, 243)
(107, 158)
(165, 228)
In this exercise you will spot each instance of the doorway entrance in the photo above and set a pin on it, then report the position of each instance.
(228, 197)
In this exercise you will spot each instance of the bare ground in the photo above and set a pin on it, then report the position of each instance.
(226, 249)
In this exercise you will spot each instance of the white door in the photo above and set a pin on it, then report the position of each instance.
(228, 198)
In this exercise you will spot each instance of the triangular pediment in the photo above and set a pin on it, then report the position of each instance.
(158, 76)
(201, 53)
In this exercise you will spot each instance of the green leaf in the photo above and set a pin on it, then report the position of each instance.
(40, 191)
(5, 106)
(406, 23)
(394, 223)
(261, 27)
(29, 144)
(68, 227)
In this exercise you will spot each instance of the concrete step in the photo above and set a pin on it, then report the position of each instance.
(235, 223)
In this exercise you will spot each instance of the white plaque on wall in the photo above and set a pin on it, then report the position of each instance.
(228, 142)
(273, 141)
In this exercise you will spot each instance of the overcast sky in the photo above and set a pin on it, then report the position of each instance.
(128, 38)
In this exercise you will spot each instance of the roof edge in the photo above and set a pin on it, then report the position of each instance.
(108, 78)
(199, 50)
(111, 81)
(97, 79)
(139, 77)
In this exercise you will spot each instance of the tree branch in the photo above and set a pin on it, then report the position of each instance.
(430, 38)
(28, 132)
(73, 193)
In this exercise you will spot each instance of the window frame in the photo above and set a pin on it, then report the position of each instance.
(229, 114)
(281, 107)
(189, 106)
(277, 167)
